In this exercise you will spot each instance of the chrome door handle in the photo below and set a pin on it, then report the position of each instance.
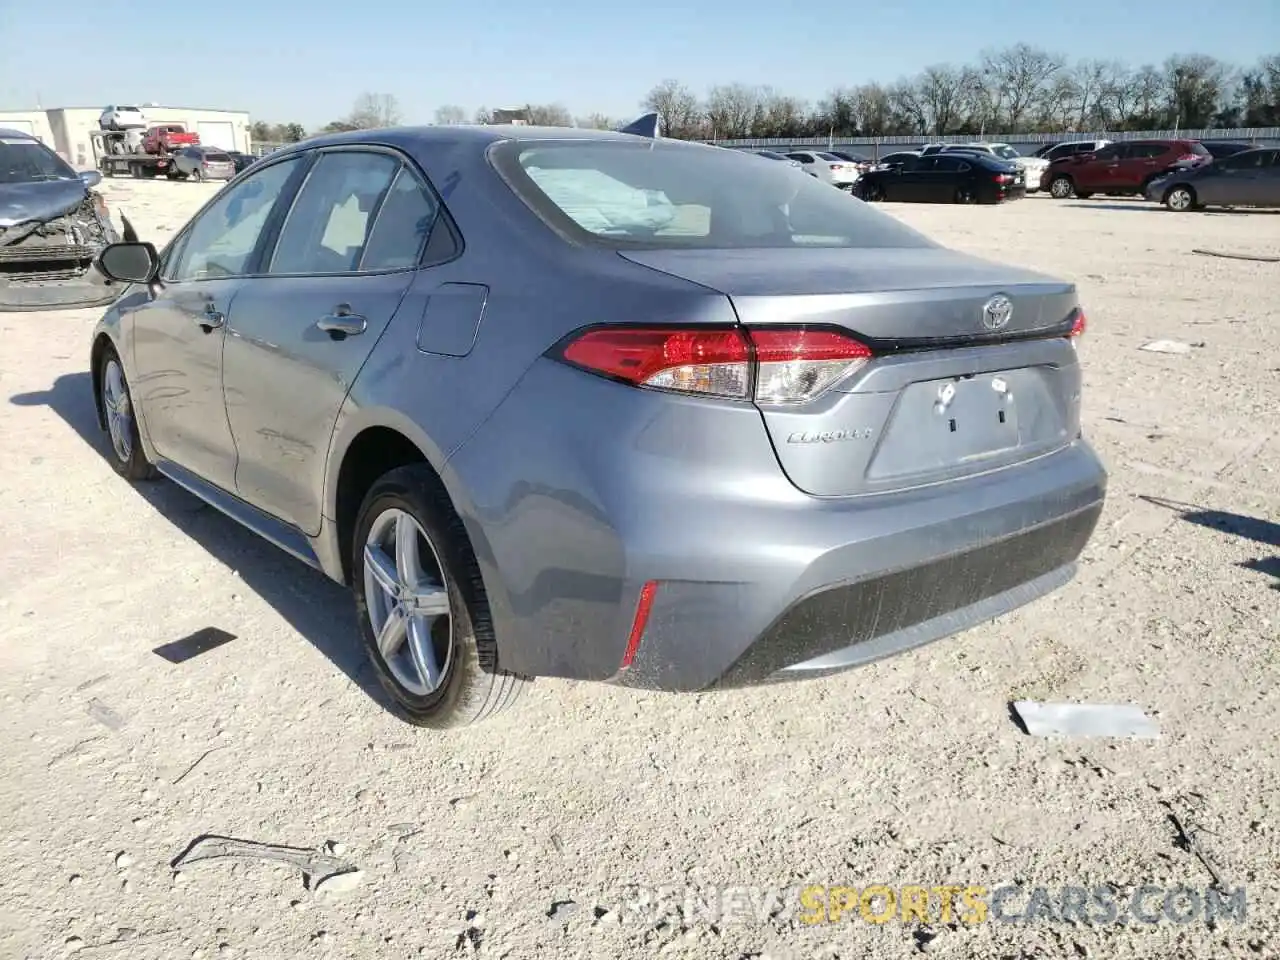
(339, 326)
(211, 319)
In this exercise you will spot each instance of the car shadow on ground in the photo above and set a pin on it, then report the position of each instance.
(314, 605)
(1250, 528)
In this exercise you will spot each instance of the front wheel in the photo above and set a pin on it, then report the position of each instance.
(1180, 199)
(116, 405)
(871, 192)
(423, 612)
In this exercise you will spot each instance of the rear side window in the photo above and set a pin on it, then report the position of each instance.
(329, 224)
(404, 222)
(1146, 151)
(673, 195)
(951, 164)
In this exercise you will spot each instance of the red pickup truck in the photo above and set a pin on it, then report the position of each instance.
(168, 137)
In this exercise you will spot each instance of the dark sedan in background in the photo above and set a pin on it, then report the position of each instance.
(944, 178)
(53, 224)
(1250, 178)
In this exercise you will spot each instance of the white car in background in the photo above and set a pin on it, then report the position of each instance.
(827, 167)
(1033, 167)
(121, 118)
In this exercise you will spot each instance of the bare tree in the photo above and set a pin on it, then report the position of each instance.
(597, 121)
(374, 110)
(482, 115)
(450, 114)
(777, 115)
(678, 107)
(1196, 84)
(1089, 83)
(908, 108)
(548, 115)
(731, 109)
(1022, 73)
(1150, 99)
(938, 96)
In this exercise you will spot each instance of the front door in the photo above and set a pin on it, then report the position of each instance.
(299, 335)
(908, 184)
(178, 335)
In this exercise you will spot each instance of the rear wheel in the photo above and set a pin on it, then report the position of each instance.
(966, 195)
(872, 192)
(1061, 188)
(424, 616)
(1180, 199)
(197, 175)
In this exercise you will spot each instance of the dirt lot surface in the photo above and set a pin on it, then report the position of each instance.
(523, 837)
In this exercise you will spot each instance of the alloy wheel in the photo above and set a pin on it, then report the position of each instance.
(1180, 199)
(408, 601)
(1060, 189)
(118, 410)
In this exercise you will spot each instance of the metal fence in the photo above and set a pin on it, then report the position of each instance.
(1246, 134)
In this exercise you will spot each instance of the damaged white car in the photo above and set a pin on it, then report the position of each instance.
(53, 224)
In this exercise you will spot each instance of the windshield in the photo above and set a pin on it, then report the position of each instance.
(1005, 152)
(671, 195)
(22, 161)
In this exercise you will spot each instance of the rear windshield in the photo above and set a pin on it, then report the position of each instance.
(22, 161)
(128, 109)
(217, 157)
(668, 195)
(831, 156)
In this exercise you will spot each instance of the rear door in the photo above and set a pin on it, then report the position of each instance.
(1232, 180)
(345, 256)
(1143, 161)
(1268, 189)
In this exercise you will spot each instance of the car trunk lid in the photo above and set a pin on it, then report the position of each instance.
(973, 369)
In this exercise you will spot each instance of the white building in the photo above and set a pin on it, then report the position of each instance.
(66, 129)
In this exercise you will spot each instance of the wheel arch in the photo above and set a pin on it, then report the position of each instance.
(102, 342)
(1195, 197)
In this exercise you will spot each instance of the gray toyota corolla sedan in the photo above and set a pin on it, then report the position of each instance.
(594, 405)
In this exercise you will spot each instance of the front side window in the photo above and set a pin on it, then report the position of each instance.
(222, 240)
(1251, 160)
(1147, 151)
(1108, 153)
(673, 195)
(328, 226)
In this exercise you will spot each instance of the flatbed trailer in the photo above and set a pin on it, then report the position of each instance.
(129, 163)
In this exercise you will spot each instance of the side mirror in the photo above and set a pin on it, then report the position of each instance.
(91, 178)
(129, 262)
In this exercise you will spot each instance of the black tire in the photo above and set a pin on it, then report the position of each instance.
(134, 466)
(135, 170)
(1061, 187)
(197, 175)
(871, 193)
(473, 688)
(1083, 194)
(965, 195)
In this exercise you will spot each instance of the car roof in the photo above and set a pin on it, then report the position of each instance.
(18, 135)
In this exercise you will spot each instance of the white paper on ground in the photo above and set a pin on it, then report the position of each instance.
(1086, 720)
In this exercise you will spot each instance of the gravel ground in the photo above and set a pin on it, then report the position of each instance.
(910, 771)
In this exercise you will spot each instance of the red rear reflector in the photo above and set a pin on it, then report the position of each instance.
(643, 606)
(1078, 327)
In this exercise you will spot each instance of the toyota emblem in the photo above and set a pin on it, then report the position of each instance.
(997, 312)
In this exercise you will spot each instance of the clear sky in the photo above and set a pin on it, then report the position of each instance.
(286, 60)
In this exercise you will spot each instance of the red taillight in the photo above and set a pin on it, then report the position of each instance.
(643, 606)
(1188, 157)
(1078, 326)
(771, 364)
(1003, 178)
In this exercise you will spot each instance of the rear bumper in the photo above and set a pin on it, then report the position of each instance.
(578, 491)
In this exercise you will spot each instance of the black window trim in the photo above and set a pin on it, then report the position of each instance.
(429, 256)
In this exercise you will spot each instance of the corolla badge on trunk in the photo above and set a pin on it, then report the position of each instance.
(997, 312)
(829, 436)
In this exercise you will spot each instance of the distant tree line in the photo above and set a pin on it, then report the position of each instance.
(1020, 89)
